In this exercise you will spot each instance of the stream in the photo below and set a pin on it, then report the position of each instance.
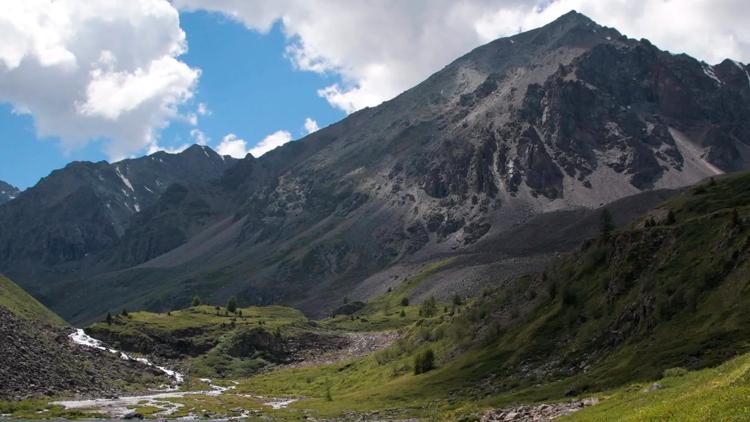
(118, 407)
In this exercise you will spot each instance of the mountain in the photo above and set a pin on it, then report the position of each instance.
(668, 291)
(523, 130)
(84, 208)
(7, 192)
(631, 325)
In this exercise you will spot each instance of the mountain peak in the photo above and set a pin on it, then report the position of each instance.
(570, 20)
(7, 192)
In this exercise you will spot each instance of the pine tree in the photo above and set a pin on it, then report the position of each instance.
(232, 304)
(124, 312)
(109, 318)
(404, 301)
(424, 362)
(428, 308)
(671, 219)
(606, 223)
(196, 301)
(735, 222)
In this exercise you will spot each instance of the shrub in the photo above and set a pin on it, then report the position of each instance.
(424, 362)
(328, 395)
(671, 219)
(196, 301)
(232, 305)
(735, 219)
(404, 301)
(569, 296)
(428, 308)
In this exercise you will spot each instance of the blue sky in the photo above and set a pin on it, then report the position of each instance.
(247, 83)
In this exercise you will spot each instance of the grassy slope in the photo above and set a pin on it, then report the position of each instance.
(202, 327)
(384, 312)
(716, 394)
(16, 300)
(624, 308)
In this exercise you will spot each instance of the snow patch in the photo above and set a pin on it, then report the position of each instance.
(709, 71)
(137, 207)
(80, 337)
(124, 179)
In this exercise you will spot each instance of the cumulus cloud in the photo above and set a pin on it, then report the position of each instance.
(237, 147)
(155, 147)
(380, 49)
(95, 69)
(272, 141)
(233, 146)
(310, 126)
(199, 137)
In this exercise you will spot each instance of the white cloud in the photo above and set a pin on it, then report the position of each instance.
(203, 109)
(310, 126)
(233, 146)
(93, 69)
(199, 137)
(382, 48)
(270, 142)
(155, 147)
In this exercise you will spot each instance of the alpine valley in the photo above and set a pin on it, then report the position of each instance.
(554, 225)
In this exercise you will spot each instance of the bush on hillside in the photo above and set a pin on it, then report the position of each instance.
(424, 362)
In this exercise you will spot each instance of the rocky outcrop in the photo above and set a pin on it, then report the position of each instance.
(40, 360)
(537, 413)
(85, 208)
(7, 192)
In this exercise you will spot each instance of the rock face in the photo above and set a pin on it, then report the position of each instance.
(85, 208)
(7, 192)
(569, 115)
(40, 360)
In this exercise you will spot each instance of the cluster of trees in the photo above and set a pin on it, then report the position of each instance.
(424, 362)
(232, 307)
(109, 317)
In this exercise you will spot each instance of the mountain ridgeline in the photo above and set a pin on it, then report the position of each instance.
(7, 192)
(542, 126)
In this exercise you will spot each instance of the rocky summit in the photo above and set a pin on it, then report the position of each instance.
(570, 116)
(7, 192)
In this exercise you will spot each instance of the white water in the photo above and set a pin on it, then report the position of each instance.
(120, 406)
(280, 403)
(80, 337)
